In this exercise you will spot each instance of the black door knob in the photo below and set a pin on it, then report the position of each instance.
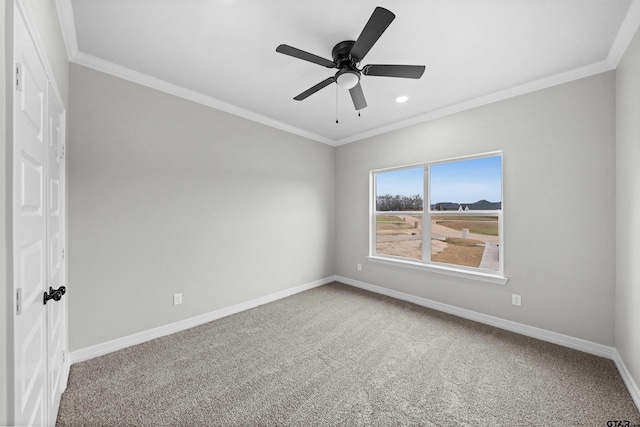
(54, 294)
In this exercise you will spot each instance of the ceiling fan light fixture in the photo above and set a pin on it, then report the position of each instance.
(347, 79)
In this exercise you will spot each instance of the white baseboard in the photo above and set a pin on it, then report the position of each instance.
(140, 337)
(634, 391)
(542, 334)
(530, 331)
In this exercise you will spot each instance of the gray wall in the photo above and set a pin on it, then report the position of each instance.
(559, 206)
(627, 209)
(169, 196)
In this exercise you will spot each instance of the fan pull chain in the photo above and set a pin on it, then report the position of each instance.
(337, 88)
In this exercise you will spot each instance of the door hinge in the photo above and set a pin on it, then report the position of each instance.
(62, 151)
(62, 254)
(18, 77)
(19, 301)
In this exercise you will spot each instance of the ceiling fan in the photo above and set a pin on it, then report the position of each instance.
(348, 54)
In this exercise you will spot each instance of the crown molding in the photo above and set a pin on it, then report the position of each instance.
(67, 24)
(125, 73)
(627, 31)
(544, 83)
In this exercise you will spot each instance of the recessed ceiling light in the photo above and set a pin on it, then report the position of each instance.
(402, 99)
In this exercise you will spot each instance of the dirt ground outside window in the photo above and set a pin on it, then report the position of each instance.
(402, 236)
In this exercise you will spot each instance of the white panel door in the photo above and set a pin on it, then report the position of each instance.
(29, 231)
(56, 319)
(39, 373)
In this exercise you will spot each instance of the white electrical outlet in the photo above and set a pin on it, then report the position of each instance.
(359, 267)
(177, 299)
(516, 299)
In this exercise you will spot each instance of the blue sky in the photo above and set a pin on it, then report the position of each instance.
(459, 182)
(405, 182)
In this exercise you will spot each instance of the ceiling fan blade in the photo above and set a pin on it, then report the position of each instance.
(315, 88)
(357, 96)
(380, 19)
(405, 71)
(301, 54)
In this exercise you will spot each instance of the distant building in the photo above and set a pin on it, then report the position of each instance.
(483, 205)
(480, 205)
(447, 206)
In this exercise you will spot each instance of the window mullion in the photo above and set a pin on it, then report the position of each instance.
(426, 218)
(372, 216)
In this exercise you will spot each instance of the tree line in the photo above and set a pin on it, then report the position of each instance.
(387, 202)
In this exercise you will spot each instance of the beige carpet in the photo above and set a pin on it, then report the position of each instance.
(337, 355)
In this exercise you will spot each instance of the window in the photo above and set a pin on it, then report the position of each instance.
(445, 216)
(399, 204)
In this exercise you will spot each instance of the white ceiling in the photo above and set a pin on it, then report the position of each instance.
(222, 53)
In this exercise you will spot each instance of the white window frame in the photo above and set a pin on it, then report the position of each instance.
(426, 263)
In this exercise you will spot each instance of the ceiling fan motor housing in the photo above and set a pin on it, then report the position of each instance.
(341, 55)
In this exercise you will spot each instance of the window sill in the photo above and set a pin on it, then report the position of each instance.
(449, 271)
